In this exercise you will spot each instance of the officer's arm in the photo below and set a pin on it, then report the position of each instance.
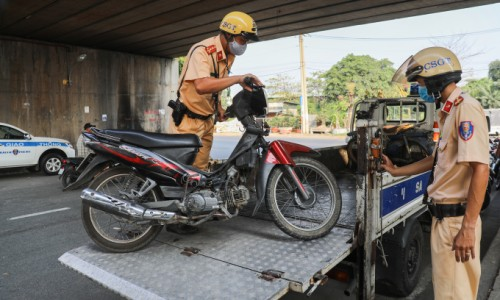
(475, 198)
(412, 169)
(464, 242)
(209, 85)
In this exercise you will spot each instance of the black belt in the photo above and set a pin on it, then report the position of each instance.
(193, 115)
(441, 211)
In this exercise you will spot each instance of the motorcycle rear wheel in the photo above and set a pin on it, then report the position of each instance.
(68, 177)
(111, 232)
(310, 219)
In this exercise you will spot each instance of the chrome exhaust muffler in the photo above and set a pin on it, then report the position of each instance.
(123, 208)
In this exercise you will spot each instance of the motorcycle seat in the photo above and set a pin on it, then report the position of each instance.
(156, 140)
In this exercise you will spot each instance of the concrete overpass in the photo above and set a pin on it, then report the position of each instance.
(129, 75)
(167, 28)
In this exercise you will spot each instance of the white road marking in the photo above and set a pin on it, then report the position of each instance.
(40, 213)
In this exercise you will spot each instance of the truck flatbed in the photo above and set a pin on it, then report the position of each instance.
(232, 256)
(224, 260)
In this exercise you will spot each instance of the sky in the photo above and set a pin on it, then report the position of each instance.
(476, 30)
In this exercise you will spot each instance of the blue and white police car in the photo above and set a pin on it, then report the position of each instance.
(18, 148)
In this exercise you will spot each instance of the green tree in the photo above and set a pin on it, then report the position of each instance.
(494, 70)
(360, 77)
(357, 77)
(284, 87)
(485, 91)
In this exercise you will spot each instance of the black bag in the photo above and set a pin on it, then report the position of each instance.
(178, 111)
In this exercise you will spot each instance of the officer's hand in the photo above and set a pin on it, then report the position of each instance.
(254, 79)
(221, 115)
(387, 164)
(463, 244)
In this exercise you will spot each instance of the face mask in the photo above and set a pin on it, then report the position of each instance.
(236, 48)
(422, 92)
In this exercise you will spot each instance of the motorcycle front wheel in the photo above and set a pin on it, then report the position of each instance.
(304, 219)
(114, 233)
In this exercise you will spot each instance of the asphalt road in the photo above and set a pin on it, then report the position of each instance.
(39, 222)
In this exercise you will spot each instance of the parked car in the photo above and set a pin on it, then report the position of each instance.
(18, 148)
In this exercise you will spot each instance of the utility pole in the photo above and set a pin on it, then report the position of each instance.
(303, 84)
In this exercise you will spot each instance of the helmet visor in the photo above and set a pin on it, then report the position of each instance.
(407, 72)
(249, 36)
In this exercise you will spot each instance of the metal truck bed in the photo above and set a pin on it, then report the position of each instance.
(230, 260)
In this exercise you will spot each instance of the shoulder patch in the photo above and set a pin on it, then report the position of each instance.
(466, 130)
(447, 107)
(210, 49)
(458, 100)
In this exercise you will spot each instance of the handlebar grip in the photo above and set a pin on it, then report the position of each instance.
(248, 81)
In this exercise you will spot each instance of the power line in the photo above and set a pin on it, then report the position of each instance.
(401, 38)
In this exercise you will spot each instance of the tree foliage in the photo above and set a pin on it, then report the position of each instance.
(283, 86)
(494, 70)
(360, 77)
(487, 90)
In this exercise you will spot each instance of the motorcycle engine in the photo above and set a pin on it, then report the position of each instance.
(238, 196)
(201, 201)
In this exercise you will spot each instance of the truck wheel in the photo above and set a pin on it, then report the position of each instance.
(51, 163)
(404, 257)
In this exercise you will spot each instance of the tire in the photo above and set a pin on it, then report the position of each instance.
(300, 219)
(111, 232)
(404, 262)
(51, 163)
(68, 177)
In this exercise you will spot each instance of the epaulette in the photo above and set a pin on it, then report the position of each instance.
(447, 107)
(210, 49)
(458, 100)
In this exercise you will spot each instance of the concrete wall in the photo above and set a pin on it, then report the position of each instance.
(109, 89)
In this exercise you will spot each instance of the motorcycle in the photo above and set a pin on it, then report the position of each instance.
(151, 182)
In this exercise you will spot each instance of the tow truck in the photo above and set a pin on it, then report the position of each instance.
(377, 241)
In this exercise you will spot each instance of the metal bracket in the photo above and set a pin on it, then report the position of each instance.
(317, 280)
(189, 251)
(271, 275)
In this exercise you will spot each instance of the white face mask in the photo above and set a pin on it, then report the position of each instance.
(236, 48)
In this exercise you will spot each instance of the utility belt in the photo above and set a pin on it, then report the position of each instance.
(440, 211)
(193, 115)
(179, 110)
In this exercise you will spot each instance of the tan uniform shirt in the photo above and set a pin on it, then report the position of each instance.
(200, 64)
(464, 139)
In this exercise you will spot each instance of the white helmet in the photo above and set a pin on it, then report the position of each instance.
(437, 66)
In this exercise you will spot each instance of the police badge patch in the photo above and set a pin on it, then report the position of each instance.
(466, 130)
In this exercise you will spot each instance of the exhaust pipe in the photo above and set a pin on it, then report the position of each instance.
(123, 208)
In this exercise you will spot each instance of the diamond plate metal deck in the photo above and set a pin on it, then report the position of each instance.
(232, 255)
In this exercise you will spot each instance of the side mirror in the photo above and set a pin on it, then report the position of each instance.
(27, 136)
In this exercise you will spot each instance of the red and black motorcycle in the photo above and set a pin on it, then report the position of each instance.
(142, 181)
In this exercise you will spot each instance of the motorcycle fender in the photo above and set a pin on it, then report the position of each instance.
(280, 152)
(96, 165)
(261, 184)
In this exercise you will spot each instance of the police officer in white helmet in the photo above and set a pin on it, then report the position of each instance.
(459, 173)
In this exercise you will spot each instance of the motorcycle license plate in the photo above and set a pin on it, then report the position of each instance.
(61, 170)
